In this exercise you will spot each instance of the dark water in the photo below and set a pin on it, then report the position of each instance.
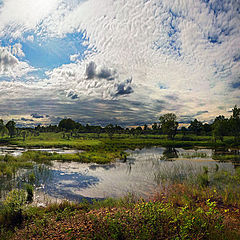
(142, 173)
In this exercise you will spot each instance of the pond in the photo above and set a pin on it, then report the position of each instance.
(16, 151)
(141, 174)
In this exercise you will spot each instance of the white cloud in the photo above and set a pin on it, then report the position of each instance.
(78, 80)
(30, 38)
(16, 50)
(23, 15)
(167, 43)
(170, 47)
(74, 57)
(10, 66)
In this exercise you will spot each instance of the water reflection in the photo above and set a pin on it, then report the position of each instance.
(169, 153)
(17, 151)
(104, 166)
(12, 150)
(140, 173)
(64, 185)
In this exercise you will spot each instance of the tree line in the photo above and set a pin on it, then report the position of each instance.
(168, 125)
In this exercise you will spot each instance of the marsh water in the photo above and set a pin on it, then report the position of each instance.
(141, 173)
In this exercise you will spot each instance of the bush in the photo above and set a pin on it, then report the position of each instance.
(11, 210)
(29, 189)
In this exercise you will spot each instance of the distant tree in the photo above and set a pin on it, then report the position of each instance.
(98, 130)
(220, 127)
(118, 128)
(138, 130)
(11, 128)
(67, 124)
(1, 124)
(132, 131)
(3, 129)
(236, 112)
(183, 130)
(145, 128)
(169, 125)
(207, 128)
(196, 127)
(110, 130)
(38, 128)
(24, 134)
(127, 131)
(155, 126)
(234, 122)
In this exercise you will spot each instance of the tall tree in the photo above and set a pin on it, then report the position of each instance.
(196, 126)
(11, 126)
(110, 130)
(155, 126)
(3, 129)
(220, 127)
(207, 128)
(234, 122)
(67, 124)
(169, 125)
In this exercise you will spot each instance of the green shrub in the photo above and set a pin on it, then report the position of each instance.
(11, 211)
(203, 180)
(29, 188)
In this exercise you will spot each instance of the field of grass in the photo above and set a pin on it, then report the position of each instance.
(90, 141)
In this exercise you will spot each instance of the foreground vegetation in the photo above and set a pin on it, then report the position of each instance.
(203, 210)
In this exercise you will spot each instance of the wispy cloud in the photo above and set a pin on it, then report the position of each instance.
(183, 55)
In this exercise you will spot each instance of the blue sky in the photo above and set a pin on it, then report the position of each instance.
(123, 62)
(47, 54)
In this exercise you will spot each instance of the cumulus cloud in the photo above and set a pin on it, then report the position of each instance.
(10, 66)
(16, 50)
(7, 60)
(101, 73)
(36, 115)
(96, 81)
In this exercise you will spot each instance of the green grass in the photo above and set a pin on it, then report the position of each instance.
(89, 141)
(77, 144)
(10, 164)
(226, 157)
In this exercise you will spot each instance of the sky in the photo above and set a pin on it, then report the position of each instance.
(123, 62)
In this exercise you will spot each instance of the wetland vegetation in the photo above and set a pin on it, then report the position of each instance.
(199, 200)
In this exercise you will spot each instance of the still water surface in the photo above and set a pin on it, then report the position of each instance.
(143, 172)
